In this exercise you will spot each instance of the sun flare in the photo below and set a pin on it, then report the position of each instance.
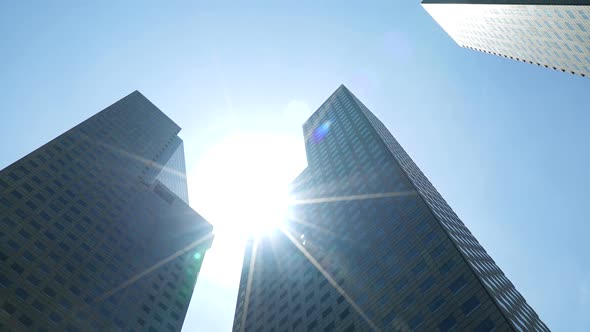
(241, 185)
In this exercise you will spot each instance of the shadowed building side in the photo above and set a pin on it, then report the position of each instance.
(96, 232)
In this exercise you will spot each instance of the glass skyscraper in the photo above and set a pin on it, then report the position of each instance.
(95, 228)
(371, 245)
(553, 34)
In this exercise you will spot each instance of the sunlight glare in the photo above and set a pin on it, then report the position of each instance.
(241, 184)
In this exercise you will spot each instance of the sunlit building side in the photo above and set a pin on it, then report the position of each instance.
(95, 229)
(553, 34)
(371, 245)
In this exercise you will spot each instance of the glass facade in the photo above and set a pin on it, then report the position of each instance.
(91, 237)
(371, 245)
(173, 173)
(553, 34)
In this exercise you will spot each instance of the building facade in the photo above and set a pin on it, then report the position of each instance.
(95, 228)
(553, 34)
(371, 245)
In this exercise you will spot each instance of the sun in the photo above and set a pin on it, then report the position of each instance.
(241, 185)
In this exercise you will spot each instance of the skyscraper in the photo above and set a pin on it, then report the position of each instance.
(554, 34)
(96, 232)
(371, 245)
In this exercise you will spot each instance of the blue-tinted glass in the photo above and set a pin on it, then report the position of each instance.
(458, 284)
(416, 321)
(437, 303)
(388, 318)
(470, 305)
(408, 301)
(426, 284)
(447, 267)
(485, 326)
(447, 324)
(21, 293)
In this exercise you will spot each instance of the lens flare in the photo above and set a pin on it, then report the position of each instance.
(321, 132)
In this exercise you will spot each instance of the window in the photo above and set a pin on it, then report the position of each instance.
(447, 267)
(330, 327)
(49, 291)
(19, 269)
(26, 320)
(416, 321)
(470, 305)
(401, 284)
(297, 322)
(437, 251)
(485, 326)
(419, 268)
(64, 246)
(447, 324)
(54, 256)
(59, 279)
(34, 280)
(27, 187)
(426, 284)
(15, 245)
(437, 303)
(40, 197)
(388, 318)
(58, 226)
(23, 294)
(350, 328)
(50, 235)
(21, 213)
(75, 290)
(40, 245)
(44, 267)
(32, 205)
(5, 202)
(28, 256)
(55, 317)
(458, 284)
(65, 303)
(283, 307)
(312, 325)
(9, 308)
(9, 222)
(38, 305)
(409, 300)
(121, 324)
(283, 321)
(344, 313)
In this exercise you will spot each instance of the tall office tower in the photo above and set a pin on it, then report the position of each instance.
(95, 230)
(371, 245)
(554, 34)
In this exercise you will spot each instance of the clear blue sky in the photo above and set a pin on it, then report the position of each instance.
(504, 142)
